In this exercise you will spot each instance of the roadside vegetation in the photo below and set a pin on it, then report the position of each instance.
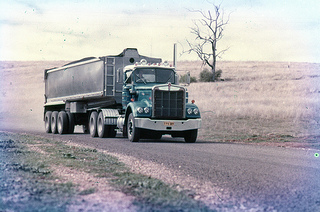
(275, 102)
(31, 182)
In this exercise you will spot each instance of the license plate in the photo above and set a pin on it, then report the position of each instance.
(167, 123)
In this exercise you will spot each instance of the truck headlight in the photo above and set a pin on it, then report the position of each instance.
(146, 110)
(189, 111)
(140, 110)
(196, 111)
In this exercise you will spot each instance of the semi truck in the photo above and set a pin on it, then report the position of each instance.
(128, 93)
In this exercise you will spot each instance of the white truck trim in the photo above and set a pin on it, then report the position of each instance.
(167, 125)
(73, 65)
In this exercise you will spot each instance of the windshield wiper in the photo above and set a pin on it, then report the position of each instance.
(141, 79)
(170, 77)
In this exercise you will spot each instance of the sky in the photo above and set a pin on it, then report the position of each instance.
(258, 30)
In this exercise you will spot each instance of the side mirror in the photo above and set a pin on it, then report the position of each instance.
(188, 77)
(177, 79)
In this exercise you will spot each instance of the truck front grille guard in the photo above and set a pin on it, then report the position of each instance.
(169, 102)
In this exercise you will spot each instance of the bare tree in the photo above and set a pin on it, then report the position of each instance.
(208, 31)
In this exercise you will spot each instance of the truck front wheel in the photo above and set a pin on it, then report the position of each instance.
(133, 132)
(191, 136)
(93, 124)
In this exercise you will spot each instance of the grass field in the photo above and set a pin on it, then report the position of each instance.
(256, 98)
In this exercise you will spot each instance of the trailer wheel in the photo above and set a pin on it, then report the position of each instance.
(54, 117)
(191, 136)
(70, 122)
(102, 129)
(93, 124)
(62, 122)
(47, 121)
(133, 132)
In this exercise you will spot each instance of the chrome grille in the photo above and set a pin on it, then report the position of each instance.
(168, 104)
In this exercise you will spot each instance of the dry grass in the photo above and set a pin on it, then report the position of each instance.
(260, 98)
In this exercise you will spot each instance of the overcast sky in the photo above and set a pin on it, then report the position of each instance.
(259, 30)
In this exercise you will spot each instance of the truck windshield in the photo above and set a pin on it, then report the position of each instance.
(154, 75)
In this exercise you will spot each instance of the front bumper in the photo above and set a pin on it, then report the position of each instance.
(167, 125)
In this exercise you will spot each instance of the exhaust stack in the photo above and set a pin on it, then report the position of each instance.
(175, 55)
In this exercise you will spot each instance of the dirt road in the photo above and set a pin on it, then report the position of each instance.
(224, 176)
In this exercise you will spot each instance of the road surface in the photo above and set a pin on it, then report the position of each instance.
(251, 176)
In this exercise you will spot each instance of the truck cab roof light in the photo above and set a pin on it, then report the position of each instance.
(143, 62)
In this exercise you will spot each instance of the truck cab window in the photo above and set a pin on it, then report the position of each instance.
(154, 75)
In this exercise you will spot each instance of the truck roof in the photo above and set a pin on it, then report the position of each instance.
(144, 64)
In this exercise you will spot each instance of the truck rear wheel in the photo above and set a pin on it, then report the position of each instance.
(93, 124)
(101, 127)
(191, 136)
(54, 117)
(47, 121)
(62, 122)
(133, 132)
(70, 122)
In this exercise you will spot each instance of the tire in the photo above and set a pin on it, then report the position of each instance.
(62, 122)
(133, 132)
(157, 136)
(54, 117)
(124, 131)
(47, 121)
(70, 123)
(191, 136)
(101, 127)
(93, 124)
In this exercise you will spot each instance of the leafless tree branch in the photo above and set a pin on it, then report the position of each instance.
(208, 31)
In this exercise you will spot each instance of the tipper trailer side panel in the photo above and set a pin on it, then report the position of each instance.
(75, 81)
(93, 78)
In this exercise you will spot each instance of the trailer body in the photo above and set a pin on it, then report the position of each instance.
(104, 94)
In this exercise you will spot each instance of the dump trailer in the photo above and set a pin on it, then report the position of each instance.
(137, 95)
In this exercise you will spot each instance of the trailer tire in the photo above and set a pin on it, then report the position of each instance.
(54, 117)
(93, 124)
(70, 123)
(133, 132)
(62, 122)
(101, 127)
(191, 136)
(47, 121)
